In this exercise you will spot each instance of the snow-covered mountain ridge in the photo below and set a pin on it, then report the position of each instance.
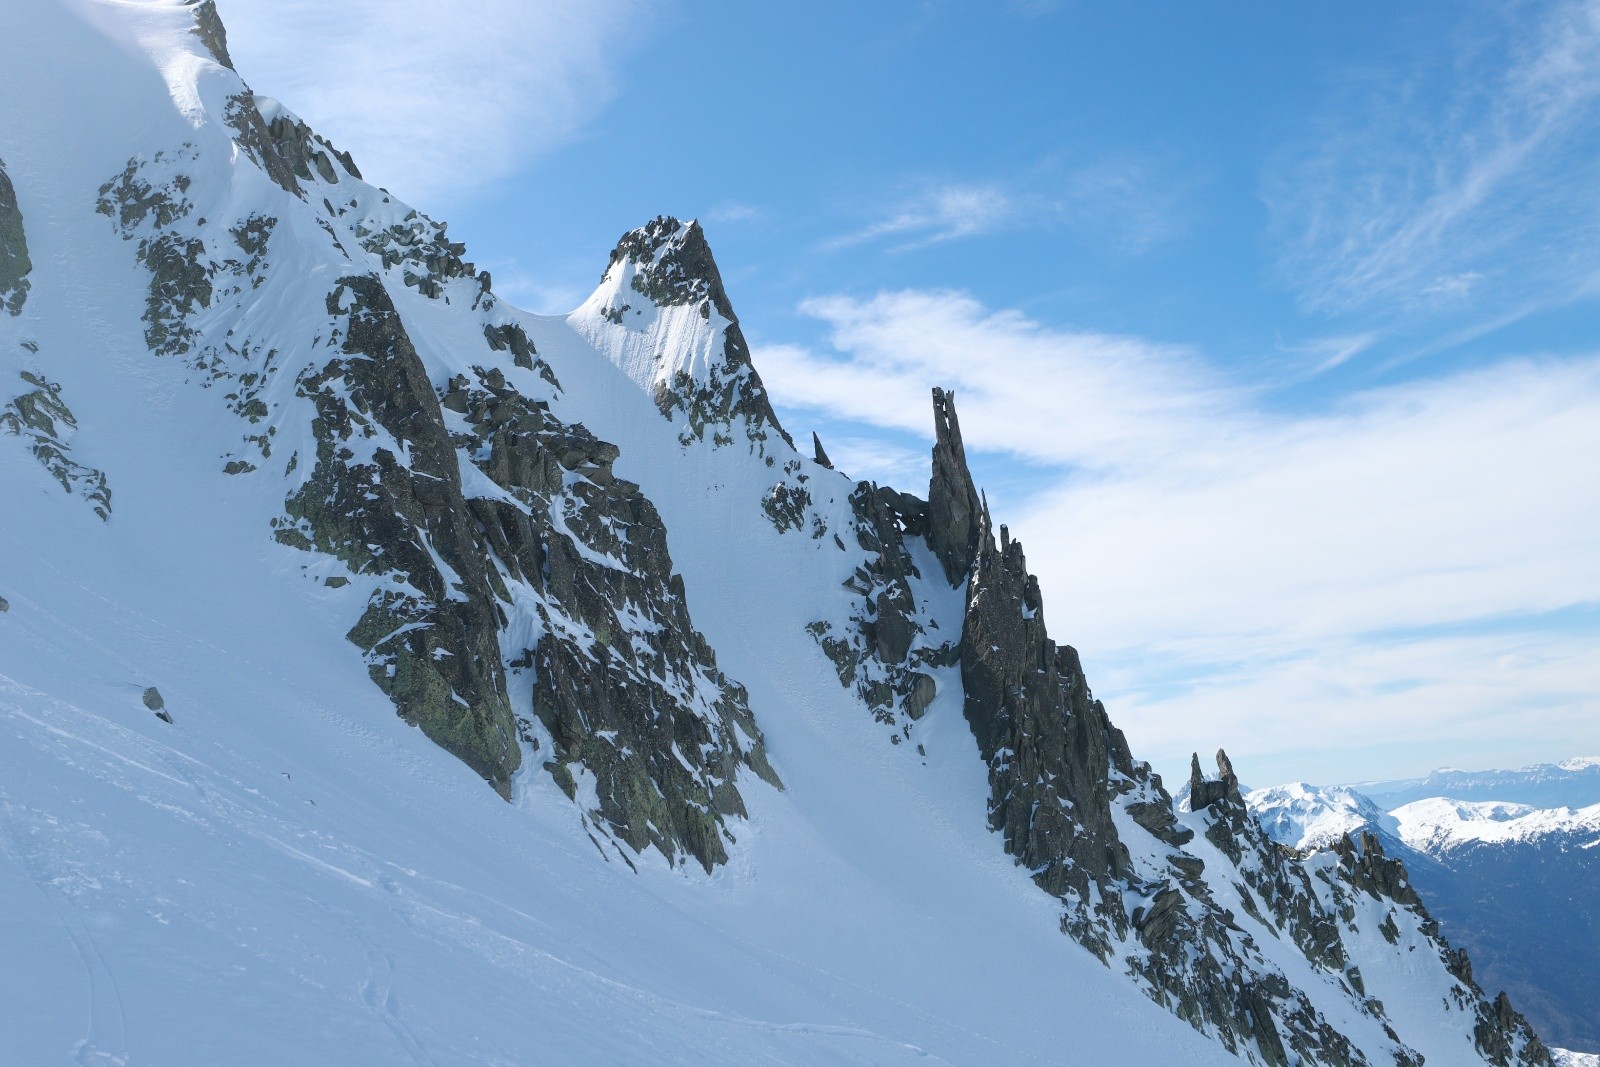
(795, 770)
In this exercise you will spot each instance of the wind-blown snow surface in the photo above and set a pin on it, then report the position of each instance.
(287, 873)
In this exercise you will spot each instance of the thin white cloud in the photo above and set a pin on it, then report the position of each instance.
(1091, 399)
(1212, 556)
(436, 100)
(732, 211)
(943, 213)
(1330, 352)
(1125, 204)
(1407, 197)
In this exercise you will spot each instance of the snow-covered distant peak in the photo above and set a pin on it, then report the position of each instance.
(662, 315)
(1579, 763)
(1311, 816)
(1440, 823)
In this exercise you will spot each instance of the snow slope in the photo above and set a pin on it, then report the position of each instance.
(287, 873)
(278, 869)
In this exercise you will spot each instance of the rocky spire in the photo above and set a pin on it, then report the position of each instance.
(819, 452)
(953, 505)
(1204, 792)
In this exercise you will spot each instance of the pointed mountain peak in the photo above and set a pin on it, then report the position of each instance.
(673, 265)
(662, 315)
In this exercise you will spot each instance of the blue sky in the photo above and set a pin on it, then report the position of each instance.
(1273, 327)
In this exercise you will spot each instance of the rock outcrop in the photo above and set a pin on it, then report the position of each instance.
(15, 265)
(954, 510)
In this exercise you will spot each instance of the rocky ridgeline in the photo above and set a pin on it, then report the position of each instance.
(1097, 829)
(519, 598)
(513, 597)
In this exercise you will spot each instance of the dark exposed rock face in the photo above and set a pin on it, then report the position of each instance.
(1204, 792)
(14, 262)
(431, 637)
(1095, 827)
(284, 147)
(892, 643)
(953, 507)
(1047, 741)
(673, 267)
(208, 27)
(514, 584)
(629, 692)
(819, 454)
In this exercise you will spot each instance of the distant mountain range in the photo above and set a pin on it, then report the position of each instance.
(1508, 861)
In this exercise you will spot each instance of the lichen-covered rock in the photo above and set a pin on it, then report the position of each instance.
(395, 509)
(627, 689)
(15, 264)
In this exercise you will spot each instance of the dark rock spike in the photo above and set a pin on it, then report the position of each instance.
(821, 454)
(957, 517)
(1204, 792)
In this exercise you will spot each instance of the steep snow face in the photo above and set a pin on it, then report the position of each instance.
(288, 461)
(1314, 817)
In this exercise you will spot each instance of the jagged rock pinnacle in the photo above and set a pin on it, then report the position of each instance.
(1204, 792)
(954, 508)
(821, 453)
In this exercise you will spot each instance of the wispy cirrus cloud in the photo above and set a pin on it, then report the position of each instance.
(1126, 204)
(941, 213)
(437, 100)
(1230, 569)
(1474, 181)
